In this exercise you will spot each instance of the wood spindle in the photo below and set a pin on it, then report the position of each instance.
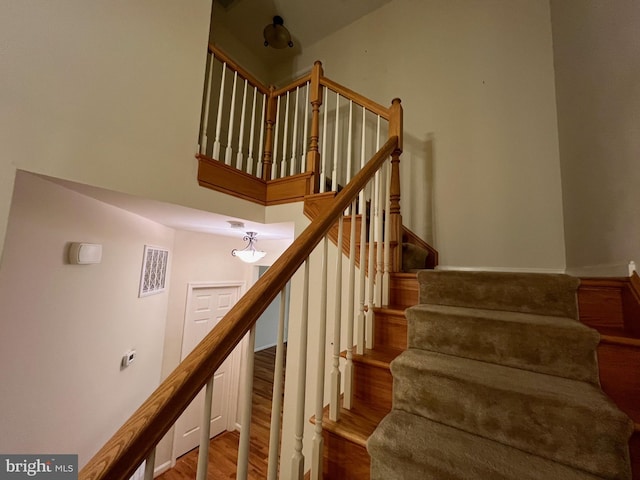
(305, 131)
(261, 141)
(216, 141)
(205, 433)
(336, 146)
(229, 151)
(318, 442)
(348, 368)
(380, 192)
(334, 405)
(251, 132)
(246, 404)
(323, 169)
(349, 143)
(360, 342)
(297, 461)
(204, 122)
(274, 167)
(283, 163)
(149, 465)
(363, 159)
(369, 317)
(240, 155)
(276, 397)
(387, 229)
(294, 138)
(395, 128)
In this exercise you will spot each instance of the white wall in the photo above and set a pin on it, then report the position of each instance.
(480, 171)
(597, 52)
(65, 327)
(107, 94)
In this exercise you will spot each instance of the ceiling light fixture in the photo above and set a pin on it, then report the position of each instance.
(249, 254)
(276, 35)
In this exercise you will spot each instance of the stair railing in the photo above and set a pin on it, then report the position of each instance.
(313, 125)
(136, 440)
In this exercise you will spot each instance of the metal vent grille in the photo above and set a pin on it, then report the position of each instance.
(154, 271)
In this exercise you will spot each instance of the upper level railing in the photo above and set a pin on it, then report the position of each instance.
(374, 183)
(313, 125)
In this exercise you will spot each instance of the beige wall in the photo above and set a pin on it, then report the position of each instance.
(65, 327)
(107, 94)
(597, 52)
(480, 171)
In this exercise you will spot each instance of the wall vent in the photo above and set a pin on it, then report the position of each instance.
(154, 271)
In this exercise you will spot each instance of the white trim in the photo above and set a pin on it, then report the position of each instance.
(264, 347)
(621, 269)
(160, 469)
(500, 269)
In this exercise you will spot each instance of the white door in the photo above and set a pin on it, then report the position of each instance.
(205, 307)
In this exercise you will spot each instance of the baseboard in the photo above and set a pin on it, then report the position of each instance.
(499, 269)
(160, 469)
(622, 269)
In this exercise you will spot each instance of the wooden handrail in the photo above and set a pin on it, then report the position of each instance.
(293, 85)
(130, 445)
(220, 55)
(356, 97)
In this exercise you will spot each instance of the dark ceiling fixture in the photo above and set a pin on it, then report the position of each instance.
(276, 35)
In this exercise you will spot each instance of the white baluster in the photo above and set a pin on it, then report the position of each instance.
(362, 157)
(336, 145)
(205, 114)
(276, 397)
(305, 138)
(261, 141)
(323, 152)
(349, 142)
(370, 316)
(149, 465)
(240, 156)
(294, 139)
(216, 142)
(229, 152)
(379, 206)
(387, 243)
(348, 368)
(246, 404)
(334, 405)
(283, 164)
(251, 132)
(274, 166)
(360, 342)
(318, 442)
(297, 460)
(205, 431)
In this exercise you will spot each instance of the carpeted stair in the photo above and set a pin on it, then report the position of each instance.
(500, 381)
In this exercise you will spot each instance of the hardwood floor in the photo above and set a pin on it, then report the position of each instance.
(223, 449)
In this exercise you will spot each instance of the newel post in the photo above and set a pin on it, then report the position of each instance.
(395, 217)
(270, 119)
(315, 98)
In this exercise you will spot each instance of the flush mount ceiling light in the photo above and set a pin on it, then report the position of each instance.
(249, 254)
(276, 35)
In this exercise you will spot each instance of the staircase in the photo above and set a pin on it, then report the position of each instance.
(538, 359)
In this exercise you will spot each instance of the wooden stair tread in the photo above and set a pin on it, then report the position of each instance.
(379, 357)
(391, 309)
(628, 340)
(355, 425)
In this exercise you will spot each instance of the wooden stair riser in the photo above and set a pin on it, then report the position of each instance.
(404, 289)
(620, 376)
(344, 460)
(634, 451)
(372, 386)
(390, 329)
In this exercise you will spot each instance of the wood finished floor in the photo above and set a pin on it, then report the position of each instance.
(223, 449)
